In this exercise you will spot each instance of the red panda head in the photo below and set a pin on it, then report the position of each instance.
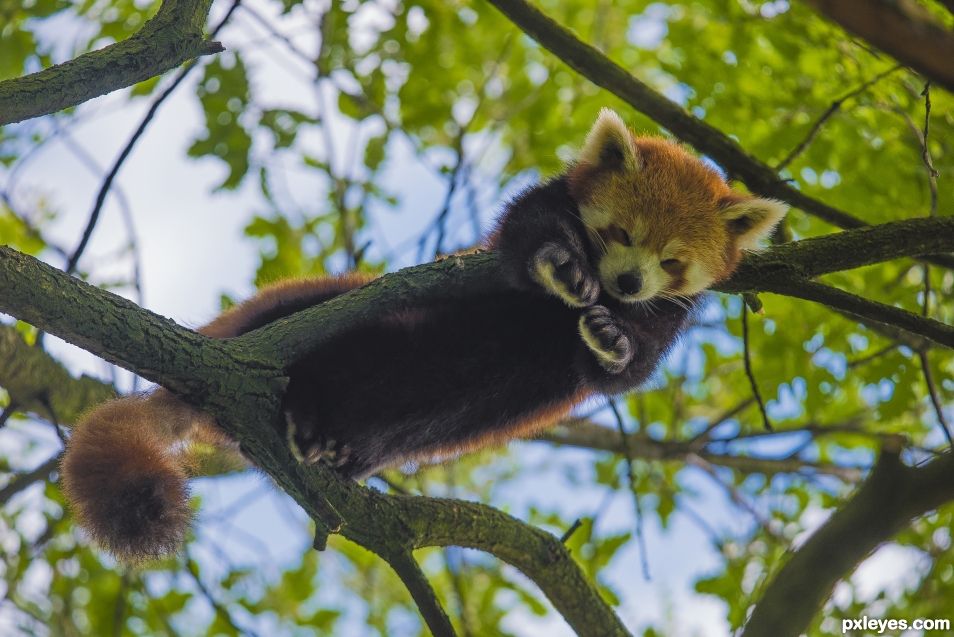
(662, 222)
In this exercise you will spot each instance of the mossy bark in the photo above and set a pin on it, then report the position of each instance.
(173, 36)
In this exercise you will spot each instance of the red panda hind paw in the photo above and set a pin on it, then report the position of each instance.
(565, 275)
(328, 451)
(602, 335)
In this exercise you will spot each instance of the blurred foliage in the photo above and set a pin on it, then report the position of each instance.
(450, 86)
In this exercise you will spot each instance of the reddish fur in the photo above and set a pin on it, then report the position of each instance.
(125, 469)
(277, 298)
(435, 380)
(526, 428)
(124, 484)
(672, 195)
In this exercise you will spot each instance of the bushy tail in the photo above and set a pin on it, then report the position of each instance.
(125, 482)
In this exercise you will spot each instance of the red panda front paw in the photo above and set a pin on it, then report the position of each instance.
(564, 274)
(609, 343)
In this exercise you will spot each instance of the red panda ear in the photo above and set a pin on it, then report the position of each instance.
(609, 144)
(751, 219)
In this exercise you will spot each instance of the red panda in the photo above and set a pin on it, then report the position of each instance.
(605, 265)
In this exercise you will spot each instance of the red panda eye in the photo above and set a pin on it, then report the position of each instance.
(670, 264)
(619, 235)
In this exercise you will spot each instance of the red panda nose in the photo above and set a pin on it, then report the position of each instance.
(629, 282)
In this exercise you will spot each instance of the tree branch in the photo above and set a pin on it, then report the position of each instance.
(589, 435)
(424, 596)
(900, 28)
(21, 481)
(891, 497)
(597, 68)
(110, 176)
(234, 380)
(38, 383)
(173, 36)
(863, 309)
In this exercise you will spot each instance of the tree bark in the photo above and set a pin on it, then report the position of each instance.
(171, 37)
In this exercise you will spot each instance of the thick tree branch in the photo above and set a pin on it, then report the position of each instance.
(476, 274)
(891, 497)
(902, 29)
(846, 250)
(246, 403)
(596, 67)
(173, 36)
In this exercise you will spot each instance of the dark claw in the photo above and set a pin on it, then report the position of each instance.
(610, 344)
(566, 275)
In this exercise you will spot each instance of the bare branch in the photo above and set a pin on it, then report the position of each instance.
(833, 108)
(424, 596)
(747, 358)
(892, 496)
(900, 28)
(127, 149)
(863, 309)
(589, 435)
(173, 36)
(36, 382)
(23, 480)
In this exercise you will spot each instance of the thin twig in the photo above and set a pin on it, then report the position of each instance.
(421, 591)
(220, 609)
(867, 358)
(737, 497)
(829, 112)
(631, 475)
(926, 268)
(23, 480)
(577, 523)
(6, 413)
(935, 399)
(747, 355)
(124, 206)
(127, 149)
(703, 436)
(119, 609)
(925, 149)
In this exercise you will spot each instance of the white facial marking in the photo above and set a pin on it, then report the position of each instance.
(620, 259)
(695, 277)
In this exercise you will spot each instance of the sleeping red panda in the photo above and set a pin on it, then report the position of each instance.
(606, 264)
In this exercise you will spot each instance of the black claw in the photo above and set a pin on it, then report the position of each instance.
(571, 271)
(615, 348)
